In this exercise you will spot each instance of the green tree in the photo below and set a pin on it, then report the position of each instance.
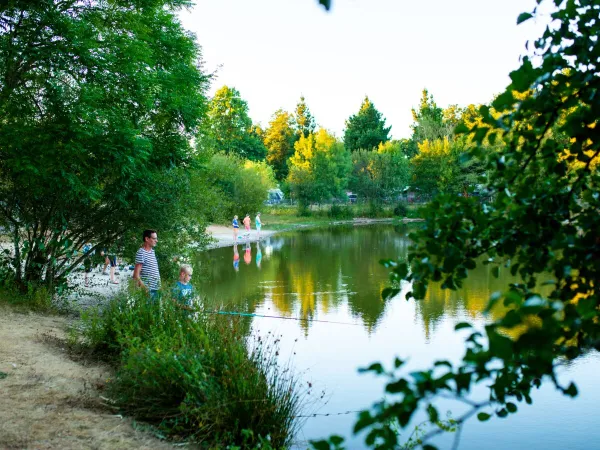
(239, 185)
(279, 140)
(319, 168)
(381, 173)
(541, 222)
(428, 120)
(229, 128)
(305, 122)
(99, 103)
(435, 168)
(366, 129)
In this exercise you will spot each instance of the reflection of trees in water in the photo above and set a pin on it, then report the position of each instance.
(470, 300)
(307, 273)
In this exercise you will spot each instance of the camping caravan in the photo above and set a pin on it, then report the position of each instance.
(275, 197)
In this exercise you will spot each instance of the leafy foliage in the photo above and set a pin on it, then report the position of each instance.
(379, 173)
(229, 128)
(366, 130)
(319, 168)
(240, 185)
(305, 122)
(540, 221)
(99, 102)
(196, 378)
(279, 140)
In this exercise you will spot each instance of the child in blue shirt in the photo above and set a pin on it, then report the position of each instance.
(236, 227)
(183, 290)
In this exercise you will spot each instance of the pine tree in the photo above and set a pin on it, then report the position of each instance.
(366, 129)
(305, 122)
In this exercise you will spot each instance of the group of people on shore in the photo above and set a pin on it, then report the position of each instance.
(146, 274)
(109, 256)
(246, 222)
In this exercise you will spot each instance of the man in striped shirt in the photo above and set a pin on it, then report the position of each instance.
(146, 271)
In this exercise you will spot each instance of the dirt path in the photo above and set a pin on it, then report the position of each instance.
(49, 401)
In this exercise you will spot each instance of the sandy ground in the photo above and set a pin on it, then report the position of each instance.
(50, 401)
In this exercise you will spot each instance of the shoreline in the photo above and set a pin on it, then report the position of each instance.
(223, 235)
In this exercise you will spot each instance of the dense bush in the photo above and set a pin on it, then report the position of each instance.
(401, 210)
(340, 212)
(35, 297)
(194, 376)
(241, 185)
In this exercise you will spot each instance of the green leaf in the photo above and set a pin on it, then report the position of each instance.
(389, 293)
(461, 325)
(571, 391)
(326, 4)
(320, 445)
(482, 417)
(523, 17)
(375, 367)
(511, 407)
(461, 128)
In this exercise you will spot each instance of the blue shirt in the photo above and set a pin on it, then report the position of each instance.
(184, 293)
(235, 223)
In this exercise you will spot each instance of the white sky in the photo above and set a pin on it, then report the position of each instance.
(273, 51)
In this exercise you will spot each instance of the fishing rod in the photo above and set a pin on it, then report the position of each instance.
(300, 319)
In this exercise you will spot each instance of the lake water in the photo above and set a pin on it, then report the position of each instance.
(333, 275)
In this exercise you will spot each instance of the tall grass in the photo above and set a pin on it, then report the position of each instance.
(195, 376)
(30, 297)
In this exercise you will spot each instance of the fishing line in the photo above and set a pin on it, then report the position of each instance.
(236, 313)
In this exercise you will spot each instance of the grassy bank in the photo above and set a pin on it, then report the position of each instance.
(286, 217)
(200, 379)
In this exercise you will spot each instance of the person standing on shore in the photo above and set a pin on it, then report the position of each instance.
(247, 225)
(236, 228)
(258, 224)
(87, 263)
(146, 272)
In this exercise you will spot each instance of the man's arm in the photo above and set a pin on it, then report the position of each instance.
(136, 275)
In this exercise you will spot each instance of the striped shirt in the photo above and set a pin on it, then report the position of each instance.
(149, 274)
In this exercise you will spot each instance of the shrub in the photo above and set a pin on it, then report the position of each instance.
(340, 212)
(34, 297)
(195, 375)
(401, 210)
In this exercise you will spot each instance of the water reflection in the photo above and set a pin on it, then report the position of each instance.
(335, 275)
(236, 258)
(258, 254)
(313, 274)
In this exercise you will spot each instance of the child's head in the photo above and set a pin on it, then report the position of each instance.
(185, 273)
(258, 214)
(235, 217)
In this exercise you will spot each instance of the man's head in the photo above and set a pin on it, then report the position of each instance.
(185, 273)
(150, 238)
